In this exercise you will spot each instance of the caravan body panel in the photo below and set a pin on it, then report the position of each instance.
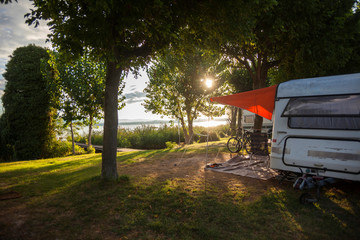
(317, 126)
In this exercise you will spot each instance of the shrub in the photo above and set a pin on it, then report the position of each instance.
(170, 145)
(90, 149)
(62, 149)
(213, 136)
(224, 130)
(122, 138)
(149, 137)
(135, 140)
(97, 138)
(78, 138)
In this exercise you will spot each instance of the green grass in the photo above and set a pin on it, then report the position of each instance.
(64, 198)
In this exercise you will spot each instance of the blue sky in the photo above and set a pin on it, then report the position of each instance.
(15, 33)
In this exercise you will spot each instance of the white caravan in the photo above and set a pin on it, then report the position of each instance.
(317, 126)
(316, 123)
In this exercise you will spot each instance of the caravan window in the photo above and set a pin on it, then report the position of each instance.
(249, 119)
(329, 112)
(329, 106)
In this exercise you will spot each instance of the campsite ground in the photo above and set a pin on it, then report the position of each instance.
(165, 194)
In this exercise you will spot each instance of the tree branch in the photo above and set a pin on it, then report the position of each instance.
(247, 66)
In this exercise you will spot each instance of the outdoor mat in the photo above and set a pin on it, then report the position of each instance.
(254, 167)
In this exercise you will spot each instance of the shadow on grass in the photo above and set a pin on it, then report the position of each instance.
(41, 171)
(157, 210)
(133, 157)
(140, 156)
(74, 203)
(13, 169)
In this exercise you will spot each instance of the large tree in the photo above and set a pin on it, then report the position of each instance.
(177, 86)
(80, 87)
(27, 122)
(125, 34)
(299, 38)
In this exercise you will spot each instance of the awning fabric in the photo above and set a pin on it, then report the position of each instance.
(260, 101)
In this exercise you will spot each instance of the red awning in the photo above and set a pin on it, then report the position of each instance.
(259, 101)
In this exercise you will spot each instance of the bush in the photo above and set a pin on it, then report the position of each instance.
(90, 150)
(97, 138)
(213, 136)
(122, 138)
(62, 149)
(170, 145)
(78, 138)
(149, 137)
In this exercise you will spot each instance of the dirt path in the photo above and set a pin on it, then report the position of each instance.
(189, 169)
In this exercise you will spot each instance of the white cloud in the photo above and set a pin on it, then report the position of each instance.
(3, 61)
(136, 84)
(134, 97)
(2, 84)
(2, 88)
(14, 32)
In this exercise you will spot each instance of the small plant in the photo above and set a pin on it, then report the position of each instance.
(90, 150)
(62, 149)
(170, 145)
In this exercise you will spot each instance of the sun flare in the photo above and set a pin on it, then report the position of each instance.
(208, 82)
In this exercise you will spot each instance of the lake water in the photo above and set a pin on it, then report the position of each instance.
(132, 124)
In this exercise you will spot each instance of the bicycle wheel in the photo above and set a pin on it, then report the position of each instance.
(233, 145)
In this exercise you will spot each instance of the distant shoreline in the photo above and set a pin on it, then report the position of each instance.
(134, 123)
(160, 121)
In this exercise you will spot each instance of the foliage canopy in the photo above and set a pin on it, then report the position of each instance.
(177, 86)
(285, 38)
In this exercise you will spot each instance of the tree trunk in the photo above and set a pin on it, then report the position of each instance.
(239, 122)
(72, 138)
(90, 130)
(186, 134)
(234, 111)
(190, 124)
(258, 123)
(191, 131)
(109, 168)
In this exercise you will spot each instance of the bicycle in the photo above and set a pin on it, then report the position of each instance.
(235, 144)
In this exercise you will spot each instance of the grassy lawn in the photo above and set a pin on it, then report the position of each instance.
(64, 198)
